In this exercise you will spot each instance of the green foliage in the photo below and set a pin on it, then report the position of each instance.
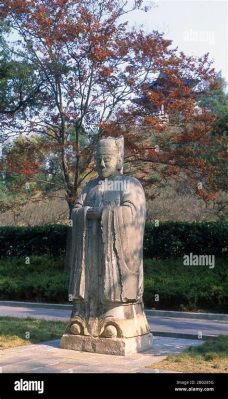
(16, 83)
(183, 287)
(43, 280)
(179, 287)
(168, 240)
(220, 126)
(211, 349)
(6, 198)
(217, 102)
(173, 239)
(19, 84)
(38, 240)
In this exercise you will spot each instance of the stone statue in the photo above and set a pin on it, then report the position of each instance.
(106, 282)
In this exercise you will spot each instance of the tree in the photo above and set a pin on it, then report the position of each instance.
(216, 101)
(19, 85)
(92, 67)
(19, 89)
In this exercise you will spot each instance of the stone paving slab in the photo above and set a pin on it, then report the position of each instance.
(49, 358)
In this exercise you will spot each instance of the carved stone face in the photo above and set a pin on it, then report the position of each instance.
(107, 160)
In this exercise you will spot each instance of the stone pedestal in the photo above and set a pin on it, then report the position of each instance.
(108, 346)
(117, 330)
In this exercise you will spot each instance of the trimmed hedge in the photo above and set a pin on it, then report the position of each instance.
(37, 240)
(174, 239)
(170, 239)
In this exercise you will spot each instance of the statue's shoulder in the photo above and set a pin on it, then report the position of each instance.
(132, 181)
(90, 185)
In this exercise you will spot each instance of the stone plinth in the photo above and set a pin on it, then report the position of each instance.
(108, 346)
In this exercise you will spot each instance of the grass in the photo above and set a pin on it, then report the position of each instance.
(17, 332)
(210, 357)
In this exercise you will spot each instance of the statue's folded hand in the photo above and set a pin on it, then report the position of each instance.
(94, 213)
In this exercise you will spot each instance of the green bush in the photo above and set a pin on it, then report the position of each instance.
(174, 239)
(37, 240)
(43, 280)
(170, 239)
(179, 287)
(186, 287)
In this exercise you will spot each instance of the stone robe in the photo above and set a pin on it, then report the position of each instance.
(107, 253)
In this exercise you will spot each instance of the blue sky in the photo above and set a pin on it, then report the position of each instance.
(195, 26)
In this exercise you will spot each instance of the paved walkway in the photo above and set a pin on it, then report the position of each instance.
(49, 358)
(171, 326)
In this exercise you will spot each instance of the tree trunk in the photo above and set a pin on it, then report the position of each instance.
(68, 242)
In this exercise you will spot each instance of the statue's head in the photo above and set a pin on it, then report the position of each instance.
(109, 157)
